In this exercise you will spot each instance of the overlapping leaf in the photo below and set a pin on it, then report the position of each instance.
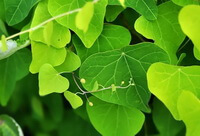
(113, 67)
(166, 82)
(189, 20)
(186, 2)
(112, 37)
(165, 31)
(189, 110)
(114, 120)
(95, 27)
(147, 8)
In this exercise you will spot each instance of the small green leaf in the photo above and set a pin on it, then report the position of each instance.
(96, 86)
(189, 110)
(84, 16)
(51, 81)
(167, 82)
(189, 20)
(122, 2)
(114, 120)
(42, 54)
(112, 11)
(72, 62)
(73, 99)
(3, 44)
(9, 127)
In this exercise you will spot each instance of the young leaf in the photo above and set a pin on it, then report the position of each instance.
(166, 82)
(42, 54)
(95, 27)
(50, 81)
(189, 21)
(73, 99)
(147, 8)
(112, 37)
(71, 63)
(52, 33)
(122, 2)
(9, 127)
(3, 44)
(189, 110)
(84, 16)
(114, 120)
(116, 66)
(165, 31)
(17, 10)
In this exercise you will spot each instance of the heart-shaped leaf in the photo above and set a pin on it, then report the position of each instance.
(113, 67)
(73, 99)
(51, 81)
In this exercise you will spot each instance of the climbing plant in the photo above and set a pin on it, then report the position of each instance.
(99, 67)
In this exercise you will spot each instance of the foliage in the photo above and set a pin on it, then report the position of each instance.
(99, 67)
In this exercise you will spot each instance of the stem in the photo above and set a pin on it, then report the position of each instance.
(45, 22)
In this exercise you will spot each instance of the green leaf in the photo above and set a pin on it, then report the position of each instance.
(165, 31)
(72, 62)
(51, 81)
(3, 30)
(17, 10)
(114, 120)
(95, 27)
(112, 11)
(73, 99)
(3, 44)
(164, 121)
(42, 54)
(112, 37)
(2, 11)
(189, 110)
(166, 82)
(12, 69)
(189, 21)
(113, 67)
(9, 127)
(186, 2)
(52, 33)
(84, 16)
(147, 8)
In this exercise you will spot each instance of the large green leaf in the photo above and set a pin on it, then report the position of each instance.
(189, 20)
(165, 31)
(17, 10)
(186, 2)
(112, 37)
(114, 120)
(95, 27)
(147, 8)
(45, 54)
(113, 67)
(51, 81)
(166, 82)
(164, 121)
(12, 69)
(9, 127)
(189, 110)
(58, 35)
